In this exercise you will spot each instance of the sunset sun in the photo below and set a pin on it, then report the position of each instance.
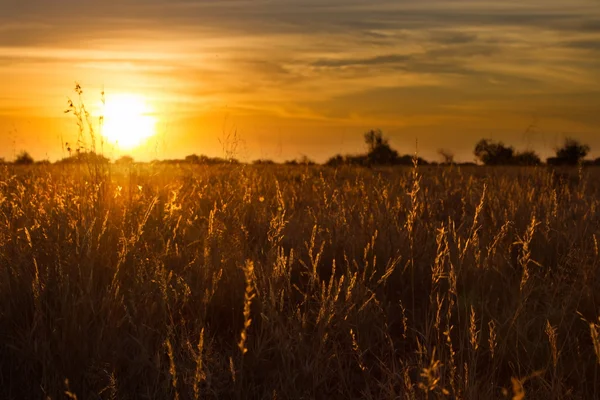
(128, 121)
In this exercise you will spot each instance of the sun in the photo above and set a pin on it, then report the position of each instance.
(128, 121)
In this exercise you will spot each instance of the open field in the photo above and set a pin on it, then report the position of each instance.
(160, 282)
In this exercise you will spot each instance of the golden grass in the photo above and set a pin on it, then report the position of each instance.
(159, 282)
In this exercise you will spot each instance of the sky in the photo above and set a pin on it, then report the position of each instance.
(280, 79)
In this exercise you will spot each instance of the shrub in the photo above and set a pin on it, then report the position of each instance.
(447, 156)
(263, 162)
(492, 153)
(85, 157)
(380, 152)
(572, 152)
(24, 159)
(125, 160)
(527, 158)
(203, 159)
(335, 161)
(497, 153)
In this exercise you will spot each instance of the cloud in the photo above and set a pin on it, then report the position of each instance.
(584, 44)
(271, 17)
(335, 59)
(453, 37)
(378, 60)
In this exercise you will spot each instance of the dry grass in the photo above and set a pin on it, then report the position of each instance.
(294, 282)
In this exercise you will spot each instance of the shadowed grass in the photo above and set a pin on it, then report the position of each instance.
(299, 282)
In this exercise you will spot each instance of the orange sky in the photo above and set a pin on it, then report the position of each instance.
(306, 77)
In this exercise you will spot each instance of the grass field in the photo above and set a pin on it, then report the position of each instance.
(276, 282)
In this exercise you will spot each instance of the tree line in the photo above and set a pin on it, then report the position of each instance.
(572, 152)
(379, 152)
(487, 152)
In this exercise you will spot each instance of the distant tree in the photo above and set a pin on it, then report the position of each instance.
(359, 159)
(374, 139)
(335, 161)
(596, 161)
(214, 160)
(2, 161)
(304, 160)
(85, 157)
(571, 153)
(24, 159)
(166, 161)
(43, 162)
(527, 158)
(447, 156)
(124, 160)
(339, 160)
(383, 155)
(193, 159)
(409, 160)
(492, 153)
(263, 162)
(380, 152)
(203, 159)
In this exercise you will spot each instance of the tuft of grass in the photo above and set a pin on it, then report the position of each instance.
(248, 297)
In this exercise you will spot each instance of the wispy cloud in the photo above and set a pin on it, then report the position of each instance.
(396, 61)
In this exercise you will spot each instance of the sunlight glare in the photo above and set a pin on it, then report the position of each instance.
(128, 121)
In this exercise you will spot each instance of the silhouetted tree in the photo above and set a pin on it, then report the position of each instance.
(124, 160)
(335, 161)
(193, 159)
(203, 159)
(596, 161)
(571, 153)
(374, 138)
(339, 160)
(447, 156)
(304, 160)
(359, 159)
(383, 155)
(492, 153)
(85, 157)
(553, 161)
(527, 158)
(24, 159)
(407, 159)
(380, 152)
(263, 162)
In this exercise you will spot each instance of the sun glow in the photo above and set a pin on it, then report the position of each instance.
(128, 121)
